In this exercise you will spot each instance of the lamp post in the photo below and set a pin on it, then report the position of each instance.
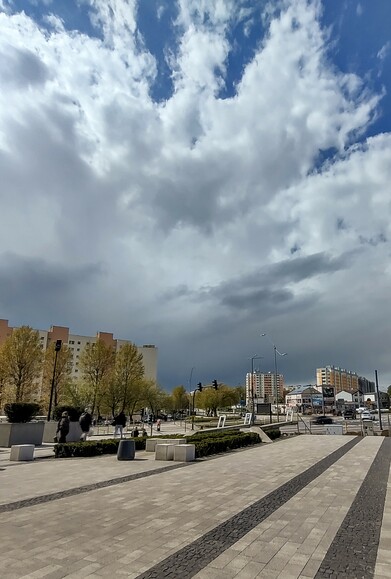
(256, 357)
(275, 370)
(57, 348)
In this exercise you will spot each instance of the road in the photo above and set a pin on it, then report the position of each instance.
(353, 426)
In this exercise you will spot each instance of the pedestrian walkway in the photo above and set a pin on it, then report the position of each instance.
(272, 511)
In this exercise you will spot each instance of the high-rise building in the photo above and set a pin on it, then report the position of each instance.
(264, 386)
(337, 378)
(76, 345)
(365, 386)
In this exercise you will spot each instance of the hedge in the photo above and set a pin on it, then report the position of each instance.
(205, 445)
(21, 411)
(274, 433)
(92, 447)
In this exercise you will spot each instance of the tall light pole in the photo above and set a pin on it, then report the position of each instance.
(57, 348)
(256, 357)
(275, 370)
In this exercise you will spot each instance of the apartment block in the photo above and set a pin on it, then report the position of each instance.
(338, 378)
(77, 344)
(265, 387)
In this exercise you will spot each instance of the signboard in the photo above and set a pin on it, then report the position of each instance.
(264, 408)
(328, 395)
(247, 418)
(221, 422)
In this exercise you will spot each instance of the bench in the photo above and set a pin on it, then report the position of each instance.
(22, 452)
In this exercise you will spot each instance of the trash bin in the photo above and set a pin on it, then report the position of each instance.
(126, 450)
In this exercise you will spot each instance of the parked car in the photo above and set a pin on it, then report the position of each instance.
(349, 413)
(322, 420)
(366, 415)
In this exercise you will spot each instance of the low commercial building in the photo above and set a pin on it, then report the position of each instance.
(304, 398)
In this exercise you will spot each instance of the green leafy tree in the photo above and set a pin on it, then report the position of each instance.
(129, 372)
(97, 363)
(22, 364)
(78, 394)
(180, 399)
(211, 400)
(152, 396)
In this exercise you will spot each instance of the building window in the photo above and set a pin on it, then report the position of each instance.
(78, 343)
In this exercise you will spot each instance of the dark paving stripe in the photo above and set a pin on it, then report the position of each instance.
(352, 554)
(86, 488)
(189, 560)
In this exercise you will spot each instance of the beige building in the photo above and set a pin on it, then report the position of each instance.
(77, 343)
(265, 387)
(338, 378)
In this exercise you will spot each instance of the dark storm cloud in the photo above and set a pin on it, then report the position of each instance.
(41, 285)
(265, 287)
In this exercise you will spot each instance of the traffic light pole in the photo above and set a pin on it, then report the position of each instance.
(200, 387)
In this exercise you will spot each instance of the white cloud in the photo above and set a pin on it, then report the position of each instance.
(384, 51)
(171, 203)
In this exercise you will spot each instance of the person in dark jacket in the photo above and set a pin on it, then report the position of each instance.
(119, 424)
(85, 422)
(63, 427)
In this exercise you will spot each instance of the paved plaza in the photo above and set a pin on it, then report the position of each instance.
(305, 507)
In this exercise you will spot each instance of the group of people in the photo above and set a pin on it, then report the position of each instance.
(86, 421)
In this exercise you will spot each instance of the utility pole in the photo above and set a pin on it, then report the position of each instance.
(378, 401)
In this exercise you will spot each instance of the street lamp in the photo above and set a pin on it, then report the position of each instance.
(275, 370)
(256, 357)
(57, 348)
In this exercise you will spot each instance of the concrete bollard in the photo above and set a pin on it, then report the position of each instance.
(22, 452)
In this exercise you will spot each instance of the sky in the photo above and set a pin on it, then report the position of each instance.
(195, 173)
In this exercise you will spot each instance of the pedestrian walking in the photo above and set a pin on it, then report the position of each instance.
(63, 427)
(158, 423)
(85, 422)
(119, 424)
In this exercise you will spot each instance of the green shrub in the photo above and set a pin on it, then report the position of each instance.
(74, 412)
(205, 446)
(21, 411)
(274, 433)
(214, 434)
(92, 447)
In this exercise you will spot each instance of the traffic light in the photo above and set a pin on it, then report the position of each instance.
(215, 385)
(199, 386)
(58, 345)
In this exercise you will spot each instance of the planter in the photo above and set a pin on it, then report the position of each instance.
(51, 429)
(21, 433)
